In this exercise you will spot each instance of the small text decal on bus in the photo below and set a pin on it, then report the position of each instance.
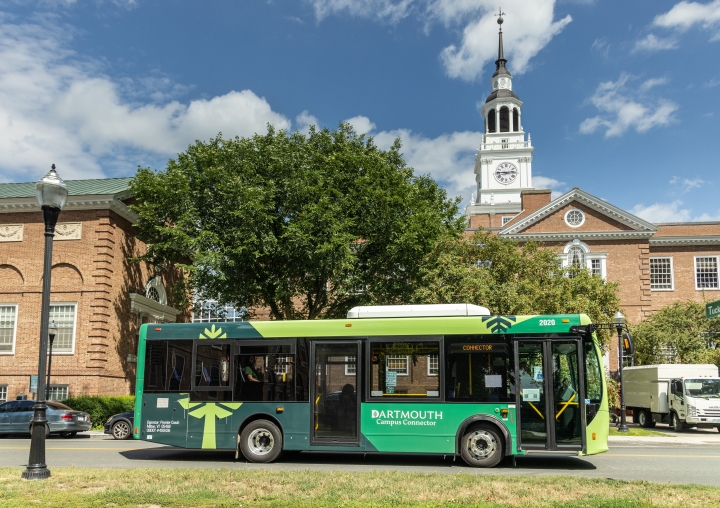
(390, 417)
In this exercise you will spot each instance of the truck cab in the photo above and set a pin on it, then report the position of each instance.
(696, 401)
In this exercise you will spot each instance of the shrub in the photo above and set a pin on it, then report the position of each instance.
(101, 407)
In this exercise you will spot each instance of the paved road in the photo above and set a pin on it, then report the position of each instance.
(651, 459)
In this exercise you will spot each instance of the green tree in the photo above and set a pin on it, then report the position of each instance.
(512, 278)
(307, 226)
(678, 333)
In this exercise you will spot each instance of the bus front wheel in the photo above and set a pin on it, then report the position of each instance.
(261, 441)
(482, 447)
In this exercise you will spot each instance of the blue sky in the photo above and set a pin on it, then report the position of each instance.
(620, 98)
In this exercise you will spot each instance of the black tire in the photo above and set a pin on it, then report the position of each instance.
(261, 441)
(69, 434)
(482, 446)
(636, 414)
(718, 428)
(675, 422)
(645, 419)
(121, 430)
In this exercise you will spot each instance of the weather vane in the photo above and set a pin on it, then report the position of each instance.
(500, 15)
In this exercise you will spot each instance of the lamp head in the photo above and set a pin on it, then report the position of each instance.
(618, 319)
(51, 190)
(52, 330)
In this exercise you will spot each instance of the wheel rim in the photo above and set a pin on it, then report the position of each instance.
(261, 442)
(481, 444)
(121, 430)
(642, 419)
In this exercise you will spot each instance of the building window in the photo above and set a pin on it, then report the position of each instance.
(350, 366)
(504, 119)
(516, 120)
(507, 219)
(397, 363)
(706, 272)
(577, 254)
(209, 311)
(57, 392)
(576, 257)
(596, 267)
(155, 290)
(574, 218)
(491, 120)
(8, 327)
(433, 365)
(3, 393)
(661, 274)
(63, 315)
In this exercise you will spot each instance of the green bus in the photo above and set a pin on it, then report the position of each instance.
(441, 379)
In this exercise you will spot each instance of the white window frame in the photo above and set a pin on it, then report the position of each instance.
(717, 274)
(589, 257)
(74, 330)
(582, 214)
(3, 393)
(56, 387)
(430, 359)
(507, 218)
(348, 370)
(672, 274)
(14, 333)
(398, 358)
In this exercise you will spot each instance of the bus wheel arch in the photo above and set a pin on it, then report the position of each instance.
(488, 422)
(260, 439)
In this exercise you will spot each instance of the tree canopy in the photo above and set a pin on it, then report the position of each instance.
(512, 278)
(678, 333)
(304, 225)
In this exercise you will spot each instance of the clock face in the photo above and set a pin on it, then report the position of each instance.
(506, 173)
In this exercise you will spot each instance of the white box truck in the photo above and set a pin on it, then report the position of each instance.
(681, 395)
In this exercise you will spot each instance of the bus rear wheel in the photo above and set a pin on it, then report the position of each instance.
(482, 447)
(261, 441)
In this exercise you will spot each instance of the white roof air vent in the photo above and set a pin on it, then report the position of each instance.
(439, 310)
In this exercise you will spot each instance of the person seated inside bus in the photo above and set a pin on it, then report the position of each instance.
(248, 384)
(250, 372)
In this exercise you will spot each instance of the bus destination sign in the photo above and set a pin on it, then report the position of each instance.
(478, 348)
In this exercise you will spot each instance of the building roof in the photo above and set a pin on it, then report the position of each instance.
(98, 186)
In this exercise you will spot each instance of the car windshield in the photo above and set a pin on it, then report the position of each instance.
(58, 406)
(709, 388)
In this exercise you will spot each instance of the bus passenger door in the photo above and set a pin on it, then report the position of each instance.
(335, 393)
(551, 395)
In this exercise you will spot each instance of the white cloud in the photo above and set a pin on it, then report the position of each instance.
(662, 212)
(623, 107)
(389, 10)
(602, 46)
(651, 83)
(543, 182)
(687, 184)
(654, 43)
(58, 108)
(361, 124)
(529, 27)
(304, 120)
(685, 14)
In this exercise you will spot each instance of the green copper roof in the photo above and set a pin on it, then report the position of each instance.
(75, 187)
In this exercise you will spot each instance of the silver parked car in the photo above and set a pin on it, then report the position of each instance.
(15, 418)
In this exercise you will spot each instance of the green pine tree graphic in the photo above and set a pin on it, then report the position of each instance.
(211, 412)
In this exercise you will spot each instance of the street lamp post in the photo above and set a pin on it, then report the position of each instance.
(619, 322)
(52, 196)
(52, 331)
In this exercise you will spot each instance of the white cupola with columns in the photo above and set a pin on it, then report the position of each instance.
(503, 167)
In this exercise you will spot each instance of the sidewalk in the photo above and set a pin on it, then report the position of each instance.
(687, 437)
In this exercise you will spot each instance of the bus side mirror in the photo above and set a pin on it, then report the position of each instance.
(628, 345)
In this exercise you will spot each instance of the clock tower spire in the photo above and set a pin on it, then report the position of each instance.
(503, 168)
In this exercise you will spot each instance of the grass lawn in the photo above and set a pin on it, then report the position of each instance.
(637, 431)
(155, 488)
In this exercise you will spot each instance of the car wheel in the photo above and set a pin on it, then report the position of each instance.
(677, 425)
(261, 441)
(68, 434)
(645, 419)
(121, 430)
(482, 447)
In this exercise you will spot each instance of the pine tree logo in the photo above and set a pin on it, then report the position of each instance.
(213, 333)
(499, 324)
(210, 412)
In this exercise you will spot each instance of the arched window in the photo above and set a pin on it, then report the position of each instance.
(491, 121)
(576, 257)
(504, 119)
(516, 120)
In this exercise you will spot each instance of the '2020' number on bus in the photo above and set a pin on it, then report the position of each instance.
(547, 322)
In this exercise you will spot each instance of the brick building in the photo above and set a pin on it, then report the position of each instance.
(98, 297)
(655, 264)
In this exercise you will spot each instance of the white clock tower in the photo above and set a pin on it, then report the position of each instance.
(503, 167)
